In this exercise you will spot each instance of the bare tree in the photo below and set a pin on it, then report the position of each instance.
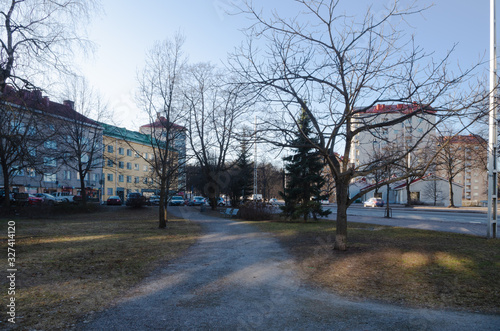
(338, 68)
(20, 137)
(456, 154)
(214, 109)
(36, 36)
(40, 35)
(432, 189)
(160, 97)
(79, 134)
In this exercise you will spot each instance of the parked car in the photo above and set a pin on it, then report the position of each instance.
(19, 198)
(176, 200)
(135, 199)
(197, 201)
(34, 201)
(154, 200)
(114, 200)
(64, 197)
(273, 201)
(48, 199)
(373, 202)
(221, 202)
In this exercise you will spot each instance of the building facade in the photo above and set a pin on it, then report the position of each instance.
(128, 163)
(45, 157)
(464, 157)
(175, 134)
(368, 145)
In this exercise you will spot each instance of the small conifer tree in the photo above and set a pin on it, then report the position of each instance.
(304, 180)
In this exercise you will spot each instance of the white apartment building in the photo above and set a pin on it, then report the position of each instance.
(368, 145)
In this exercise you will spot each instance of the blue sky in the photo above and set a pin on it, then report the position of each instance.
(127, 29)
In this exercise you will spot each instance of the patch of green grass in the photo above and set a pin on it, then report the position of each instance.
(398, 265)
(69, 266)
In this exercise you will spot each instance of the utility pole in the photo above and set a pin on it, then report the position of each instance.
(492, 141)
(255, 159)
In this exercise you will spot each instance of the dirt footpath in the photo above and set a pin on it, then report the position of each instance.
(237, 278)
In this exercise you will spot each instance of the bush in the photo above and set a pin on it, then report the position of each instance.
(256, 211)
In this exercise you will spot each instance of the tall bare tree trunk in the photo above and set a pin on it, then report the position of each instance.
(450, 183)
(408, 192)
(83, 192)
(342, 200)
(162, 207)
(6, 201)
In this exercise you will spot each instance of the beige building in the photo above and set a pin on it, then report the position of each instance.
(465, 159)
(128, 163)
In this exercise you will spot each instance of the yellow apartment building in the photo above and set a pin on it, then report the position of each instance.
(128, 163)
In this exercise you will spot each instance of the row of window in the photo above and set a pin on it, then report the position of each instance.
(121, 151)
(66, 175)
(110, 163)
(136, 179)
(110, 191)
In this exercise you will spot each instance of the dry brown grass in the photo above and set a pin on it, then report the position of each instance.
(410, 267)
(70, 266)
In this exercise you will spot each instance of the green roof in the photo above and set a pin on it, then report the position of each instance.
(127, 135)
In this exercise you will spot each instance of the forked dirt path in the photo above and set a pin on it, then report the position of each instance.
(237, 278)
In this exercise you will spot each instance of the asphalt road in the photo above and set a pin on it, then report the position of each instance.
(457, 220)
(238, 278)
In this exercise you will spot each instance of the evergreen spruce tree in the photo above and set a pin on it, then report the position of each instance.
(304, 181)
(241, 178)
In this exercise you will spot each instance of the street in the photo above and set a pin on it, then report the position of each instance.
(455, 220)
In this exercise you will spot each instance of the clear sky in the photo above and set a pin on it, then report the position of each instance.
(127, 29)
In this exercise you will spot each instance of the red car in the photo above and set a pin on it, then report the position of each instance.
(34, 201)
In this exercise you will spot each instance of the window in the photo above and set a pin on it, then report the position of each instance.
(145, 168)
(110, 191)
(129, 152)
(50, 144)
(129, 179)
(49, 178)
(145, 180)
(67, 174)
(110, 177)
(136, 166)
(110, 163)
(120, 164)
(32, 151)
(30, 172)
(129, 166)
(145, 156)
(110, 148)
(96, 177)
(49, 162)
(137, 155)
(121, 151)
(136, 180)
(85, 158)
(120, 178)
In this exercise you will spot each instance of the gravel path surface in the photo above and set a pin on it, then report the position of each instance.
(237, 278)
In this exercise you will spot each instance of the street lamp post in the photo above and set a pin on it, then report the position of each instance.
(492, 141)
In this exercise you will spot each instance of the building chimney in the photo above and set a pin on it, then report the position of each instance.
(69, 103)
(46, 101)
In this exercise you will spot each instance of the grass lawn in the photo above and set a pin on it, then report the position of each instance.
(397, 265)
(73, 265)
